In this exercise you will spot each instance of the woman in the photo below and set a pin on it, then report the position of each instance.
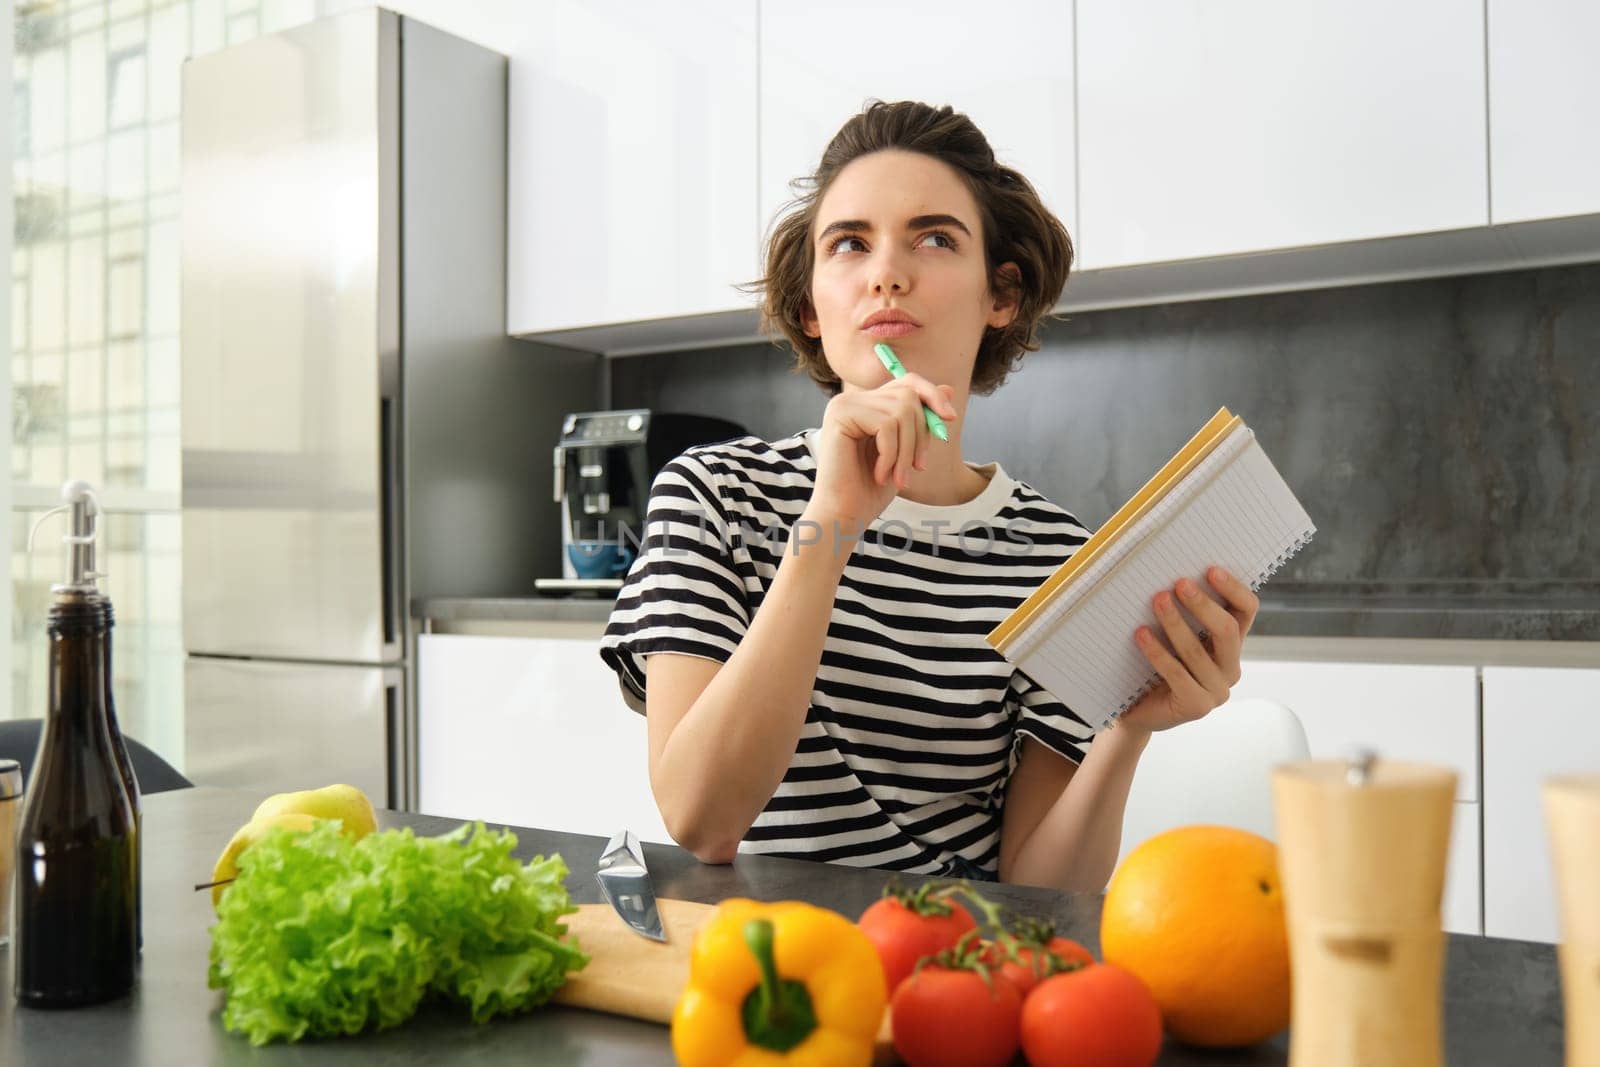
(859, 716)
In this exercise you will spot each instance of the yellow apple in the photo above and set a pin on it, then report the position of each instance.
(343, 802)
(227, 867)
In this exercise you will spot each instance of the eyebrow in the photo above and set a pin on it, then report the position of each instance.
(917, 222)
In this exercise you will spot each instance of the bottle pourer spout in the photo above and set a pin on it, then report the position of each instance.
(83, 527)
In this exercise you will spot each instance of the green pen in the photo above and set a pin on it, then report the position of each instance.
(891, 363)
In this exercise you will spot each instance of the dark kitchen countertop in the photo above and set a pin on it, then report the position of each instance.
(584, 608)
(1520, 610)
(1525, 610)
(1501, 998)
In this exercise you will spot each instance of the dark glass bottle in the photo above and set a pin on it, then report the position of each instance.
(76, 936)
(130, 781)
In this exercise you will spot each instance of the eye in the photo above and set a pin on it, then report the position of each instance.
(837, 244)
(940, 235)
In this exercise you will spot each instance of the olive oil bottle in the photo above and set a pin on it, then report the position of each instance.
(77, 872)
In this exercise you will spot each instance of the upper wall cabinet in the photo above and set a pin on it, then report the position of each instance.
(1544, 108)
(821, 61)
(1210, 128)
(632, 171)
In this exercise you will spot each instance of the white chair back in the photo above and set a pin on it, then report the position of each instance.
(1216, 770)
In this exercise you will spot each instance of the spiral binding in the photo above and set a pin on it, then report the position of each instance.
(1283, 557)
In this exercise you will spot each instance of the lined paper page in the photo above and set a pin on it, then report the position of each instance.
(1233, 510)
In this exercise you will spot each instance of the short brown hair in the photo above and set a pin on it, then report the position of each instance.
(1017, 228)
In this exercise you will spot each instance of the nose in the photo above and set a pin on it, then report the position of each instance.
(889, 274)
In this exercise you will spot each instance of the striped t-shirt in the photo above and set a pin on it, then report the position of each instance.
(915, 722)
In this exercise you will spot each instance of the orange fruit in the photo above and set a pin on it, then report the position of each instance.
(1197, 914)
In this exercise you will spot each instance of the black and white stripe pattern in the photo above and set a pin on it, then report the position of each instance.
(915, 721)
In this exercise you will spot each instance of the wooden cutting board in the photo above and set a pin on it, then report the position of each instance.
(634, 976)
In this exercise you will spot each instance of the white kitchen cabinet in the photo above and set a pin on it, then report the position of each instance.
(632, 168)
(1462, 907)
(1544, 108)
(822, 61)
(1209, 129)
(530, 731)
(1427, 714)
(1537, 723)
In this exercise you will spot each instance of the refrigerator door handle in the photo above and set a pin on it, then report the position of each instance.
(391, 480)
(394, 703)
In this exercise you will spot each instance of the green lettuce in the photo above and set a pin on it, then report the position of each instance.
(321, 935)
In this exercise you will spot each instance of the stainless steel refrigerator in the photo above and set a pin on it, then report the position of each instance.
(357, 429)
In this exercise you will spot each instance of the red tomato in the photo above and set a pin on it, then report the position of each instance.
(1100, 1016)
(1069, 950)
(1028, 968)
(949, 1018)
(1019, 972)
(902, 936)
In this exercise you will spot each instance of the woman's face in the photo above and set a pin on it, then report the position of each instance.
(898, 259)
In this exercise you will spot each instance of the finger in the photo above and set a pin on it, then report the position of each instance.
(937, 397)
(1242, 602)
(908, 443)
(1188, 692)
(924, 434)
(1218, 622)
(895, 410)
(919, 422)
(888, 438)
(1188, 647)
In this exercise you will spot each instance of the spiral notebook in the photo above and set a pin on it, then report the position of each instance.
(1218, 501)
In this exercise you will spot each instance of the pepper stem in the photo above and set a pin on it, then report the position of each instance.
(777, 1013)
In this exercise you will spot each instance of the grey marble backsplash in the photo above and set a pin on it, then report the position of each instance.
(1442, 433)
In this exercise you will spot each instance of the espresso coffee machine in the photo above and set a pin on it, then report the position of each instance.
(604, 465)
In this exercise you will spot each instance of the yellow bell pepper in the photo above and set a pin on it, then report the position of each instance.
(784, 983)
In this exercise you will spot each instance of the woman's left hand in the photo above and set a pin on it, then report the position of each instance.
(1195, 675)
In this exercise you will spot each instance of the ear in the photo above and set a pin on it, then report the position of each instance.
(809, 322)
(1003, 298)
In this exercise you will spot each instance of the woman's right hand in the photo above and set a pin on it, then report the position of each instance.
(869, 443)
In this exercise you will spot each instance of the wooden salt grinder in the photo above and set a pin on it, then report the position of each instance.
(1362, 849)
(1572, 810)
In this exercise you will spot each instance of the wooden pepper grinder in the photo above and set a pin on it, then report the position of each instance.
(1362, 849)
(1572, 810)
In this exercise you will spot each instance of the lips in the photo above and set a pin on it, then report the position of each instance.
(889, 322)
